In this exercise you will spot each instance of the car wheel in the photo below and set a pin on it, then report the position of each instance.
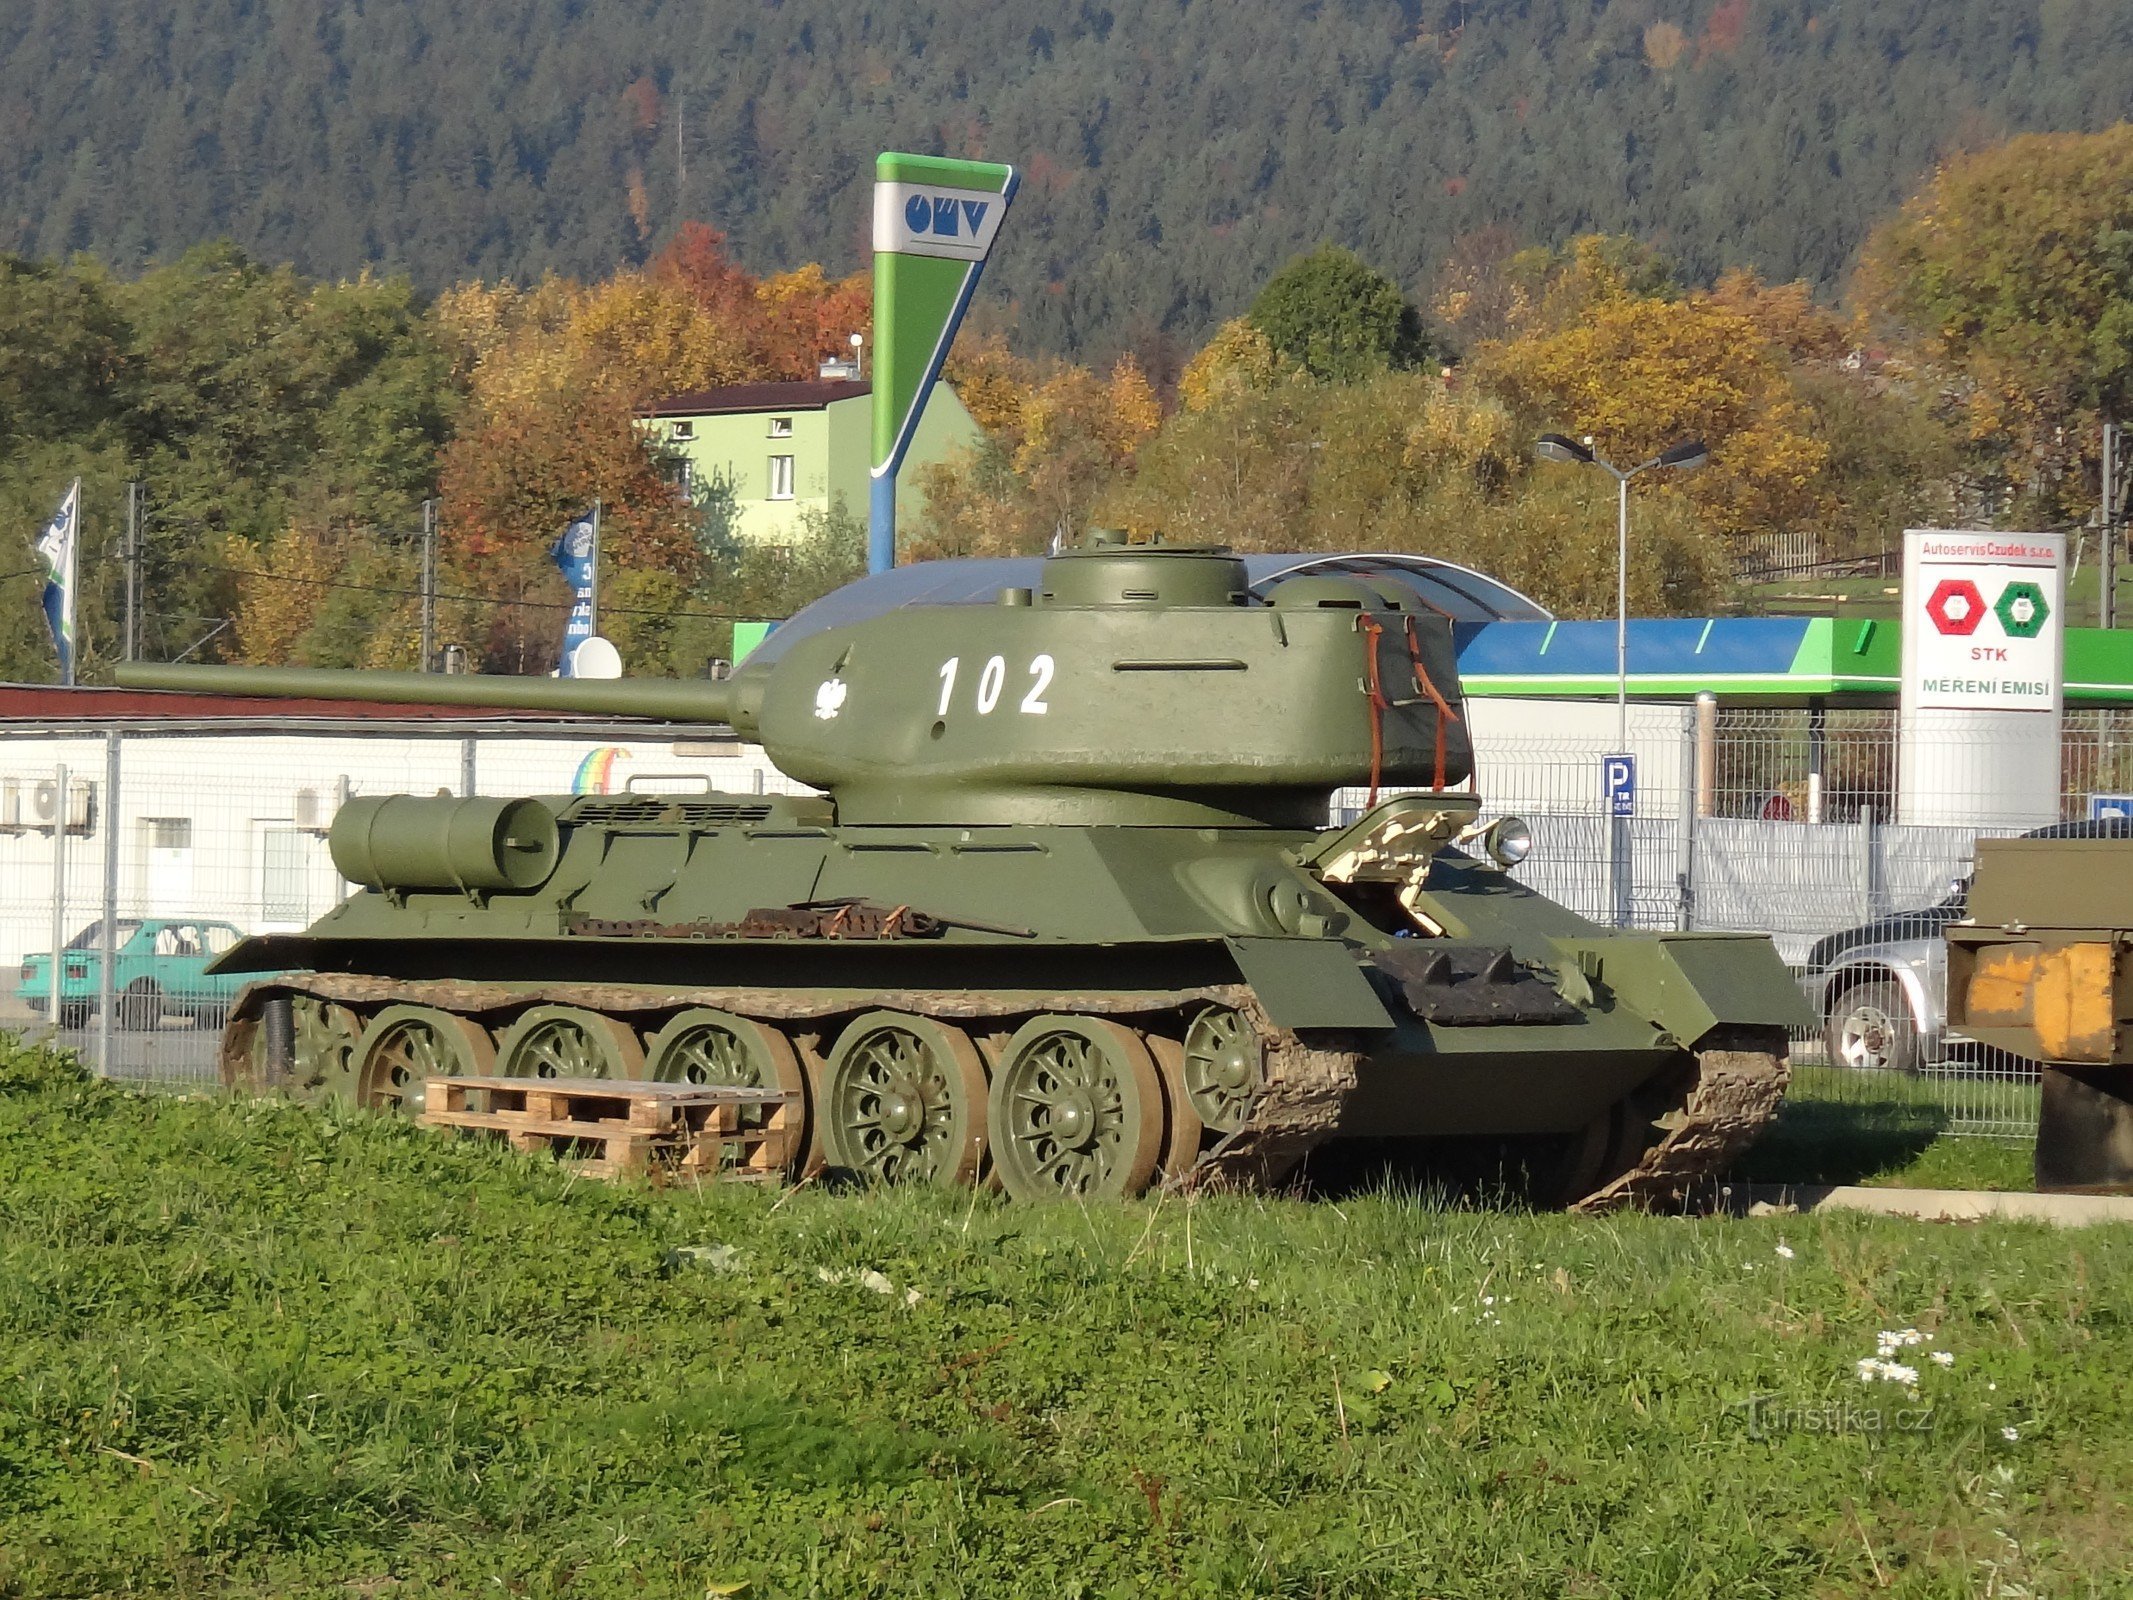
(141, 1006)
(74, 1014)
(1872, 1029)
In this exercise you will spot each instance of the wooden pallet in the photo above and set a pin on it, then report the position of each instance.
(684, 1129)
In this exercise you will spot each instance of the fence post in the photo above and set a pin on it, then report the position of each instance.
(1863, 862)
(466, 768)
(1692, 784)
(107, 976)
(56, 973)
(1706, 753)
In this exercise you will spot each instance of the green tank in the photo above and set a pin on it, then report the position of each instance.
(1066, 914)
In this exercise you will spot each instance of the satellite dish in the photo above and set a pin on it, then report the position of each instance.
(595, 658)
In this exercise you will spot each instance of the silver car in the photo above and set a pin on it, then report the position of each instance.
(1881, 989)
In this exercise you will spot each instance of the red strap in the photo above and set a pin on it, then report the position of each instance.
(1375, 692)
(1422, 681)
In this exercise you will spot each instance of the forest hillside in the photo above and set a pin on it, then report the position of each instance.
(1176, 151)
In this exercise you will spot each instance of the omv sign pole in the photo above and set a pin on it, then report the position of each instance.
(934, 225)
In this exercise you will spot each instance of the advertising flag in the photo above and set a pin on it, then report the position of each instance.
(57, 546)
(935, 221)
(576, 554)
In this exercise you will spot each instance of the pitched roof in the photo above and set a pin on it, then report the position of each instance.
(739, 398)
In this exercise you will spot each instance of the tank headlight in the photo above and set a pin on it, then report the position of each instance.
(1508, 841)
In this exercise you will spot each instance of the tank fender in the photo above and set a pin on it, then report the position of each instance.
(1690, 983)
(1309, 983)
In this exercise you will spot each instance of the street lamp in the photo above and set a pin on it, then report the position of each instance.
(1684, 456)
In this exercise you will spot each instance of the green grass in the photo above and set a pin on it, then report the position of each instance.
(256, 1350)
(1880, 1129)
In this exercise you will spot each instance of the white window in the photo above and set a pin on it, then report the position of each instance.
(682, 430)
(781, 427)
(781, 477)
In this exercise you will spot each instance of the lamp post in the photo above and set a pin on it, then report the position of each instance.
(1685, 456)
(1689, 453)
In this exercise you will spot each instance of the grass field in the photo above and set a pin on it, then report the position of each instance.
(256, 1350)
(1884, 1129)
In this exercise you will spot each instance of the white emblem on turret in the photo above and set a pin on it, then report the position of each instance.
(829, 698)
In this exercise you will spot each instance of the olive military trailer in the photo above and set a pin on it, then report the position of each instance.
(1067, 912)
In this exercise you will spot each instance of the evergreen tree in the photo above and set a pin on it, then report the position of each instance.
(1337, 318)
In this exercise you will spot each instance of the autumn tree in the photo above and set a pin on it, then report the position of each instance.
(1638, 373)
(1239, 358)
(2013, 270)
(1038, 476)
(1402, 463)
(781, 327)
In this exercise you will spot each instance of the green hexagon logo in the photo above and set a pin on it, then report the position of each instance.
(2021, 610)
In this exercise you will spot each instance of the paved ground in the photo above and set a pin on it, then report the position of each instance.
(1943, 1205)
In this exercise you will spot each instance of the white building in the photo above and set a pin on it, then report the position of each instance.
(219, 807)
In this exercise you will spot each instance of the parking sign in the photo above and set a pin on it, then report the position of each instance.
(1618, 774)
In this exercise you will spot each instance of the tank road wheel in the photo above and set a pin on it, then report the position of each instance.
(1222, 1070)
(405, 1046)
(903, 1100)
(716, 1047)
(568, 1042)
(1077, 1111)
(1184, 1130)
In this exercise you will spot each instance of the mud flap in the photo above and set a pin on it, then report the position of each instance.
(1309, 983)
(2085, 1131)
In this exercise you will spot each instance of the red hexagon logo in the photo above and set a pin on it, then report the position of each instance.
(1955, 606)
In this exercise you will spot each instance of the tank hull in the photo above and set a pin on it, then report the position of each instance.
(1361, 992)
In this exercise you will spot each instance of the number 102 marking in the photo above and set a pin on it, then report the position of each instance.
(992, 679)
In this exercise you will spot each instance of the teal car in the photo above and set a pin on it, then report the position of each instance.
(160, 971)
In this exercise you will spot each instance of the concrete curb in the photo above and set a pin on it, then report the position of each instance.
(1936, 1205)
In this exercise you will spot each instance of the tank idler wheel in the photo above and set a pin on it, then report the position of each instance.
(903, 1101)
(1184, 1130)
(1223, 1068)
(718, 1048)
(1077, 1111)
(570, 1042)
(405, 1046)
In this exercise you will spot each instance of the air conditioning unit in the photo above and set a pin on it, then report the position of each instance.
(11, 805)
(80, 807)
(306, 809)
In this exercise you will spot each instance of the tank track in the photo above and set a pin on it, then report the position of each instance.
(1699, 1118)
(1718, 1107)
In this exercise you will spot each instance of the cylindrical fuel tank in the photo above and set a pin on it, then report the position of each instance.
(399, 841)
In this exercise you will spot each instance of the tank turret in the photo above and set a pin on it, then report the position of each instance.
(1068, 910)
(1138, 685)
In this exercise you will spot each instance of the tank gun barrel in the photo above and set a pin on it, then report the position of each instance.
(677, 699)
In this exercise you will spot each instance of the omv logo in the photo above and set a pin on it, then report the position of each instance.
(944, 216)
(927, 220)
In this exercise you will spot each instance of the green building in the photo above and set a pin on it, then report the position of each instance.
(791, 447)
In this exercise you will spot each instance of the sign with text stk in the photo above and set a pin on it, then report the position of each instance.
(1981, 624)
